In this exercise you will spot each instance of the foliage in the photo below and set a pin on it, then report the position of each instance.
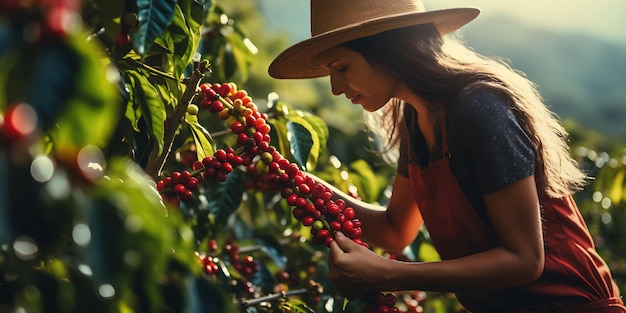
(102, 102)
(603, 205)
(586, 86)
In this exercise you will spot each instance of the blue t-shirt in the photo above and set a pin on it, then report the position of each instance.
(488, 147)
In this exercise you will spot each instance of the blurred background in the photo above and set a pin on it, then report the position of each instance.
(575, 52)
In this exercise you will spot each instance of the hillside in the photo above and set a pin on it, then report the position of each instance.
(581, 78)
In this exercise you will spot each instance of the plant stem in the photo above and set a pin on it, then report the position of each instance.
(221, 133)
(272, 297)
(157, 160)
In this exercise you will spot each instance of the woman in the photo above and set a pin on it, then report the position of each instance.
(483, 164)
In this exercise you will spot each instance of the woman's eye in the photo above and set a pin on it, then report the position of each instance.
(342, 69)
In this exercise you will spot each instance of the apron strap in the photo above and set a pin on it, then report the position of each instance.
(445, 152)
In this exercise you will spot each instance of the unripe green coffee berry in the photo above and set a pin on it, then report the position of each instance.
(266, 157)
(192, 109)
(261, 167)
(317, 225)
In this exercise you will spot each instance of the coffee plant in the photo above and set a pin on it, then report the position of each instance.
(140, 175)
(139, 183)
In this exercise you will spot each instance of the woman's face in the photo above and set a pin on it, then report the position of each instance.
(352, 75)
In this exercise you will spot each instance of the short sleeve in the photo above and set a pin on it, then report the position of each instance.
(489, 148)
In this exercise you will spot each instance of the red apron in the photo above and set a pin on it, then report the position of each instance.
(575, 278)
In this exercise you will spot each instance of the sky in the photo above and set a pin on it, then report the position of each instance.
(600, 18)
(604, 19)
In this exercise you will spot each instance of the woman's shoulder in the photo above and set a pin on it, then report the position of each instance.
(478, 106)
(479, 97)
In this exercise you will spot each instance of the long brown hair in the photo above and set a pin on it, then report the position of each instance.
(439, 68)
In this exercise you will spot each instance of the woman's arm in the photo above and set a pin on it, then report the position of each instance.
(515, 215)
(391, 228)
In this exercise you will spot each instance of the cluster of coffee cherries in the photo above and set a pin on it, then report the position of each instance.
(380, 303)
(313, 203)
(247, 265)
(209, 264)
(218, 166)
(178, 187)
(209, 261)
(314, 207)
(243, 119)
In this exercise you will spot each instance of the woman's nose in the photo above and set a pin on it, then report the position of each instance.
(337, 85)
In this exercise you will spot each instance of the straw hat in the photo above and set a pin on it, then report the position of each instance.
(334, 22)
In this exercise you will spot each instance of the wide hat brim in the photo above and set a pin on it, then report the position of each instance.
(297, 60)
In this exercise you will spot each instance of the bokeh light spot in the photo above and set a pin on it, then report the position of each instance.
(42, 169)
(25, 248)
(606, 203)
(85, 269)
(20, 121)
(106, 290)
(58, 187)
(597, 196)
(81, 234)
(335, 161)
(112, 74)
(91, 161)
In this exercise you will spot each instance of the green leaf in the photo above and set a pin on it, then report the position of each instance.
(319, 126)
(226, 49)
(194, 11)
(225, 199)
(56, 68)
(209, 296)
(133, 62)
(170, 89)
(154, 16)
(134, 237)
(273, 249)
(133, 109)
(90, 112)
(305, 145)
(617, 187)
(345, 303)
(214, 50)
(108, 16)
(368, 185)
(239, 55)
(152, 106)
(181, 40)
(428, 253)
(295, 306)
(306, 134)
(278, 134)
(205, 146)
(321, 136)
(164, 88)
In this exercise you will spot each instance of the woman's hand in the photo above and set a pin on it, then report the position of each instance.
(356, 270)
